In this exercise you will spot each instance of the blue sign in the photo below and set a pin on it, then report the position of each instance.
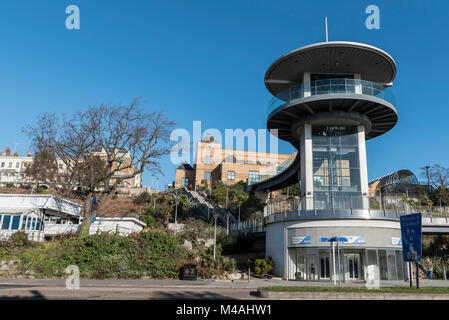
(339, 239)
(411, 231)
(301, 240)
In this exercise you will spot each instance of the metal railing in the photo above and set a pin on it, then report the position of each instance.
(390, 204)
(331, 86)
(275, 169)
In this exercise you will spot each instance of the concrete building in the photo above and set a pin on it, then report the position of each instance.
(13, 169)
(329, 98)
(213, 163)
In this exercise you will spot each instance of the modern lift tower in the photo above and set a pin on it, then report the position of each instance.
(329, 98)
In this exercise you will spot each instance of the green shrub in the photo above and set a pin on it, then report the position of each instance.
(100, 256)
(20, 238)
(261, 266)
(150, 221)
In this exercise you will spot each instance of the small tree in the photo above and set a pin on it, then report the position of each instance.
(88, 155)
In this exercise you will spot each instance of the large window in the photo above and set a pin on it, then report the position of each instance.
(254, 176)
(208, 160)
(336, 170)
(207, 175)
(185, 182)
(15, 223)
(231, 175)
(6, 221)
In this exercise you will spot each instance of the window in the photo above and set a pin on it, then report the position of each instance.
(208, 160)
(10, 165)
(24, 165)
(185, 182)
(6, 221)
(207, 175)
(254, 176)
(15, 223)
(3, 164)
(17, 165)
(231, 175)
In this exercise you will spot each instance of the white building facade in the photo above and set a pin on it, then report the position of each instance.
(44, 216)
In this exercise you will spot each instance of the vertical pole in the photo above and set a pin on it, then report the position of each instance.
(239, 211)
(339, 269)
(410, 273)
(327, 37)
(333, 263)
(215, 235)
(417, 275)
(227, 198)
(176, 211)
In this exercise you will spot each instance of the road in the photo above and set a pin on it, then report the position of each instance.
(154, 289)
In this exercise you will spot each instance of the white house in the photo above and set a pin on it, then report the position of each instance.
(27, 212)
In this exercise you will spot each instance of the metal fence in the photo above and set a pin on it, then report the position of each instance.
(392, 204)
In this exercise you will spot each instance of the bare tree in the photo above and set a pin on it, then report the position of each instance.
(88, 155)
(438, 176)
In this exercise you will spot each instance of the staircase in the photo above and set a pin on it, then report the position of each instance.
(207, 206)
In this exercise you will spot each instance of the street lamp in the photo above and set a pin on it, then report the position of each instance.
(333, 240)
(215, 232)
(428, 178)
(176, 210)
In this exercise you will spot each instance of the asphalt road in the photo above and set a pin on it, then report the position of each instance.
(53, 289)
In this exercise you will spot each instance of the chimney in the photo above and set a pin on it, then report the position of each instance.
(28, 154)
(16, 154)
(8, 151)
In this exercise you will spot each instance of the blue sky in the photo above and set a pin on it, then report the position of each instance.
(205, 60)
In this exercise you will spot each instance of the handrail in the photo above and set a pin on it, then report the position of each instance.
(341, 86)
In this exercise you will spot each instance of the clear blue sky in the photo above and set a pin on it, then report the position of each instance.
(205, 60)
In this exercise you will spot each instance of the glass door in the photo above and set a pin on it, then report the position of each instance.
(325, 264)
(352, 266)
(312, 267)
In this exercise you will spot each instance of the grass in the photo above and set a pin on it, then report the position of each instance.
(426, 290)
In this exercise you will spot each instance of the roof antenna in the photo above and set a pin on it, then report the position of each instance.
(327, 38)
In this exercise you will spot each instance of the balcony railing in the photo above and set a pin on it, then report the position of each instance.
(331, 86)
(331, 203)
(275, 169)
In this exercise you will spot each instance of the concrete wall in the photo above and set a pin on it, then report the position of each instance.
(275, 246)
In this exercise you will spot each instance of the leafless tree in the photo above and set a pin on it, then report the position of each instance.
(88, 155)
(438, 176)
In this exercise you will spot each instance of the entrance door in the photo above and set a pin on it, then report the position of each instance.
(352, 266)
(312, 267)
(325, 267)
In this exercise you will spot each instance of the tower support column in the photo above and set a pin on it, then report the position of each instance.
(306, 185)
(363, 166)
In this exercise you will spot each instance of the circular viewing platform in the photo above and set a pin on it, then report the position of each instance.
(342, 57)
(345, 101)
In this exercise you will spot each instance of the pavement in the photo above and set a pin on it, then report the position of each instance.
(55, 289)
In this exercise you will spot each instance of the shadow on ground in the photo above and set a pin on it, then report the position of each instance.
(186, 295)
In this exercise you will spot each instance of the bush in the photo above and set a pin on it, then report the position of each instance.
(150, 221)
(261, 266)
(20, 238)
(153, 253)
(143, 198)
